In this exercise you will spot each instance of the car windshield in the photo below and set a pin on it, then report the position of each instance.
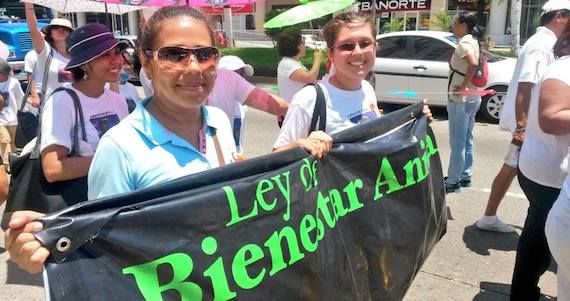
(491, 57)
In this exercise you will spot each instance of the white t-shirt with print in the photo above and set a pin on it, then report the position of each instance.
(534, 57)
(13, 95)
(130, 93)
(544, 157)
(57, 75)
(100, 114)
(345, 109)
(466, 45)
(287, 86)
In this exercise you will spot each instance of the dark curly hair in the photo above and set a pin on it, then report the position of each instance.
(470, 19)
(288, 42)
(562, 46)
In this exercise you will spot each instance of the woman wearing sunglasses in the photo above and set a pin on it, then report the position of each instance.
(350, 99)
(50, 41)
(171, 134)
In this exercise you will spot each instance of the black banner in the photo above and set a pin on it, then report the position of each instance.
(355, 225)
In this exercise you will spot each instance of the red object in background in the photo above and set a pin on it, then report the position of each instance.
(221, 39)
(328, 65)
(236, 9)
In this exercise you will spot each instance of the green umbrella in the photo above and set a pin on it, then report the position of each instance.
(307, 11)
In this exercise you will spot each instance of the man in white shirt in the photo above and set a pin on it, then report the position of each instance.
(535, 56)
(539, 175)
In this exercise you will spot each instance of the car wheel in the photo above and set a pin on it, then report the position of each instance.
(491, 104)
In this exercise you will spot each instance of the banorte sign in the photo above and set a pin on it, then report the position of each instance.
(393, 5)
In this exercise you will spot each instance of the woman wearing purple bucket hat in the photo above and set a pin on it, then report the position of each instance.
(96, 58)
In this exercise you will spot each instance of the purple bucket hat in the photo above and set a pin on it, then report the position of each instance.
(89, 42)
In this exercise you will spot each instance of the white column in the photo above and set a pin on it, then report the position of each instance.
(228, 26)
(498, 22)
(133, 21)
(417, 20)
(81, 20)
(259, 16)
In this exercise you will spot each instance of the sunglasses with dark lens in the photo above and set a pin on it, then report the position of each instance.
(178, 57)
(364, 45)
(59, 27)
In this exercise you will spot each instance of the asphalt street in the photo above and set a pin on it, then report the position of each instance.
(467, 264)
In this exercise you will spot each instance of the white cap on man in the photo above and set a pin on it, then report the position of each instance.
(554, 5)
(234, 63)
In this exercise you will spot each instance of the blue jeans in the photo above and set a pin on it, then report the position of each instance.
(461, 116)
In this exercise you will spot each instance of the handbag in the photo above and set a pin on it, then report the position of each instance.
(29, 189)
(28, 123)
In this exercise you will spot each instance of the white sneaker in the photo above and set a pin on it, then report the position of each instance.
(494, 224)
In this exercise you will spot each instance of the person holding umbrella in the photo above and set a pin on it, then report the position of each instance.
(50, 45)
(292, 75)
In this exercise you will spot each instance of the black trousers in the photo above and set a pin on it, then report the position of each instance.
(533, 255)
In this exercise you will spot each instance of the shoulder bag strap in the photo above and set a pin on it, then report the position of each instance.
(79, 121)
(36, 150)
(320, 111)
(45, 79)
(29, 87)
(218, 146)
(453, 71)
(26, 94)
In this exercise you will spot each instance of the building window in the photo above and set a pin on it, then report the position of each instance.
(249, 22)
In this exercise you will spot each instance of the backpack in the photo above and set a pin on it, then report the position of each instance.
(481, 75)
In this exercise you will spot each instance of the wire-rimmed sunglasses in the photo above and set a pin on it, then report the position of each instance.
(178, 57)
(363, 45)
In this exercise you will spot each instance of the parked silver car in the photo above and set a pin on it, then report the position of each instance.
(418, 62)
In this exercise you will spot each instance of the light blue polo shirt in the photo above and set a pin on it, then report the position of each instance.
(140, 152)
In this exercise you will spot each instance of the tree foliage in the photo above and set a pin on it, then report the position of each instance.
(394, 25)
(442, 20)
